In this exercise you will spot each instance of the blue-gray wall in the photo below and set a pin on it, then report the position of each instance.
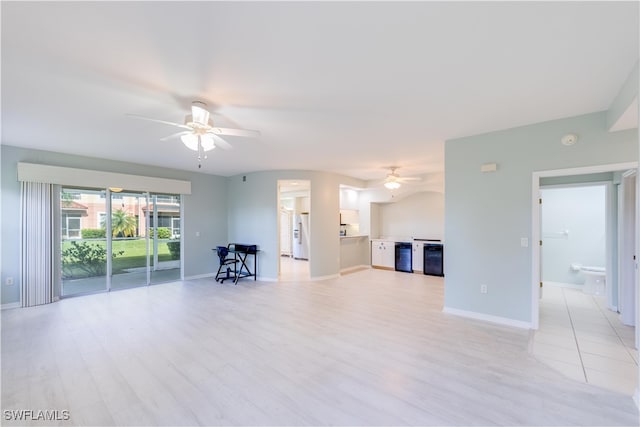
(253, 218)
(205, 209)
(486, 214)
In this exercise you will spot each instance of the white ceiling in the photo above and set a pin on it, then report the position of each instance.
(343, 87)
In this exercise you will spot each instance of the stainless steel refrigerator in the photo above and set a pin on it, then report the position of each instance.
(301, 236)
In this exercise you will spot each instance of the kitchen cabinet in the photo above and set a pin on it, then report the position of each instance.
(302, 204)
(383, 254)
(349, 216)
(348, 199)
(417, 258)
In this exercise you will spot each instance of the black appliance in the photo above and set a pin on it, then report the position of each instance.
(403, 257)
(433, 259)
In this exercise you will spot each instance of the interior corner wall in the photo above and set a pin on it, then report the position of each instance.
(205, 210)
(253, 218)
(487, 214)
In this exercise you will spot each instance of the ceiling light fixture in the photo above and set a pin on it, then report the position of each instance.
(115, 189)
(200, 142)
(190, 140)
(392, 185)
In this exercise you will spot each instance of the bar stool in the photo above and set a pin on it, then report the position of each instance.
(224, 270)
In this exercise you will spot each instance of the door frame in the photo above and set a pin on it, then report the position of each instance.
(626, 263)
(536, 228)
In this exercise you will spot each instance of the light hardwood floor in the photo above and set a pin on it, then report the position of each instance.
(370, 348)
(292, 270)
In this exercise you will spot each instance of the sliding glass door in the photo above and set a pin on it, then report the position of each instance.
(129, 239)
(164, 223)
(83, 241)
(115, 239)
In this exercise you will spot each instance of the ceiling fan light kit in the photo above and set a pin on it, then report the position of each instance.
(190, 140)
(392, 185)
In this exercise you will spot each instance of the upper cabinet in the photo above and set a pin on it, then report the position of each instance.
(349, 216)
(302, 204)
(348, 199)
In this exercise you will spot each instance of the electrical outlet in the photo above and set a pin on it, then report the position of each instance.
(9, 281)
(483, 289)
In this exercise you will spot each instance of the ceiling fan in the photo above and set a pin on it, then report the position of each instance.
(199, 133)
(393, 181)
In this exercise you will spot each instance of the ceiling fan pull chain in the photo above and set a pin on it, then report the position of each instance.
(199, 153)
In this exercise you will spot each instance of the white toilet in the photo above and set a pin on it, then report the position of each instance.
(594, 278)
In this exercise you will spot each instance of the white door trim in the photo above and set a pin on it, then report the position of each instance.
(535, 222)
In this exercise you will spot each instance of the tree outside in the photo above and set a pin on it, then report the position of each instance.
(123, 224)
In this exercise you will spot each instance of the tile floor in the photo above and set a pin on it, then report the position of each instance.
(580, 337)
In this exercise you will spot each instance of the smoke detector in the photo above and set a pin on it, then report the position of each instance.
(569, 139)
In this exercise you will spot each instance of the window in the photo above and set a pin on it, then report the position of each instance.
(102, 218)
(72, 227)
(175, 227)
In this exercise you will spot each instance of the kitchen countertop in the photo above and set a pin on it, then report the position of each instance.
(406, 239)
(357, 236)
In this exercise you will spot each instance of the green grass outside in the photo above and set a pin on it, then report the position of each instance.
(135, 254)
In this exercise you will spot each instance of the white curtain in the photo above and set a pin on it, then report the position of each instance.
(36, 255)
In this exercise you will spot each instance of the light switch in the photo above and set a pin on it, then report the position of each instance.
(197, 234)
(524, 242)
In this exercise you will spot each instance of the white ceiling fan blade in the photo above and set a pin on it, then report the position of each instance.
(175, 135)
(135, 116)
(219, 142)
(409, 178)
(236, 132)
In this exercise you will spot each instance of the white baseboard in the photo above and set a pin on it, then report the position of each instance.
(487, 318)
(212, 275)
(319, 278)
(562, 285)
(10, 305)
(354, 268)
(199, 276)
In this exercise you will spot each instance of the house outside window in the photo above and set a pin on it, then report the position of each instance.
(71, 227)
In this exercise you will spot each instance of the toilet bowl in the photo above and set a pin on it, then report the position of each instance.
(594, 278)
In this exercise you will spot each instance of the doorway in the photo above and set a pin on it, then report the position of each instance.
(294, 229)
(575, 239)
(580, 333)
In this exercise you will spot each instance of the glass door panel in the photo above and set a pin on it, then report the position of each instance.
(164, 221)
(83, 241)
(129, 245)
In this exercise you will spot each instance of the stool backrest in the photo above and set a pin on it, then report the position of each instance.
(222, 252)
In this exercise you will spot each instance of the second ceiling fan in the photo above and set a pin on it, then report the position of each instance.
(393, 181)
